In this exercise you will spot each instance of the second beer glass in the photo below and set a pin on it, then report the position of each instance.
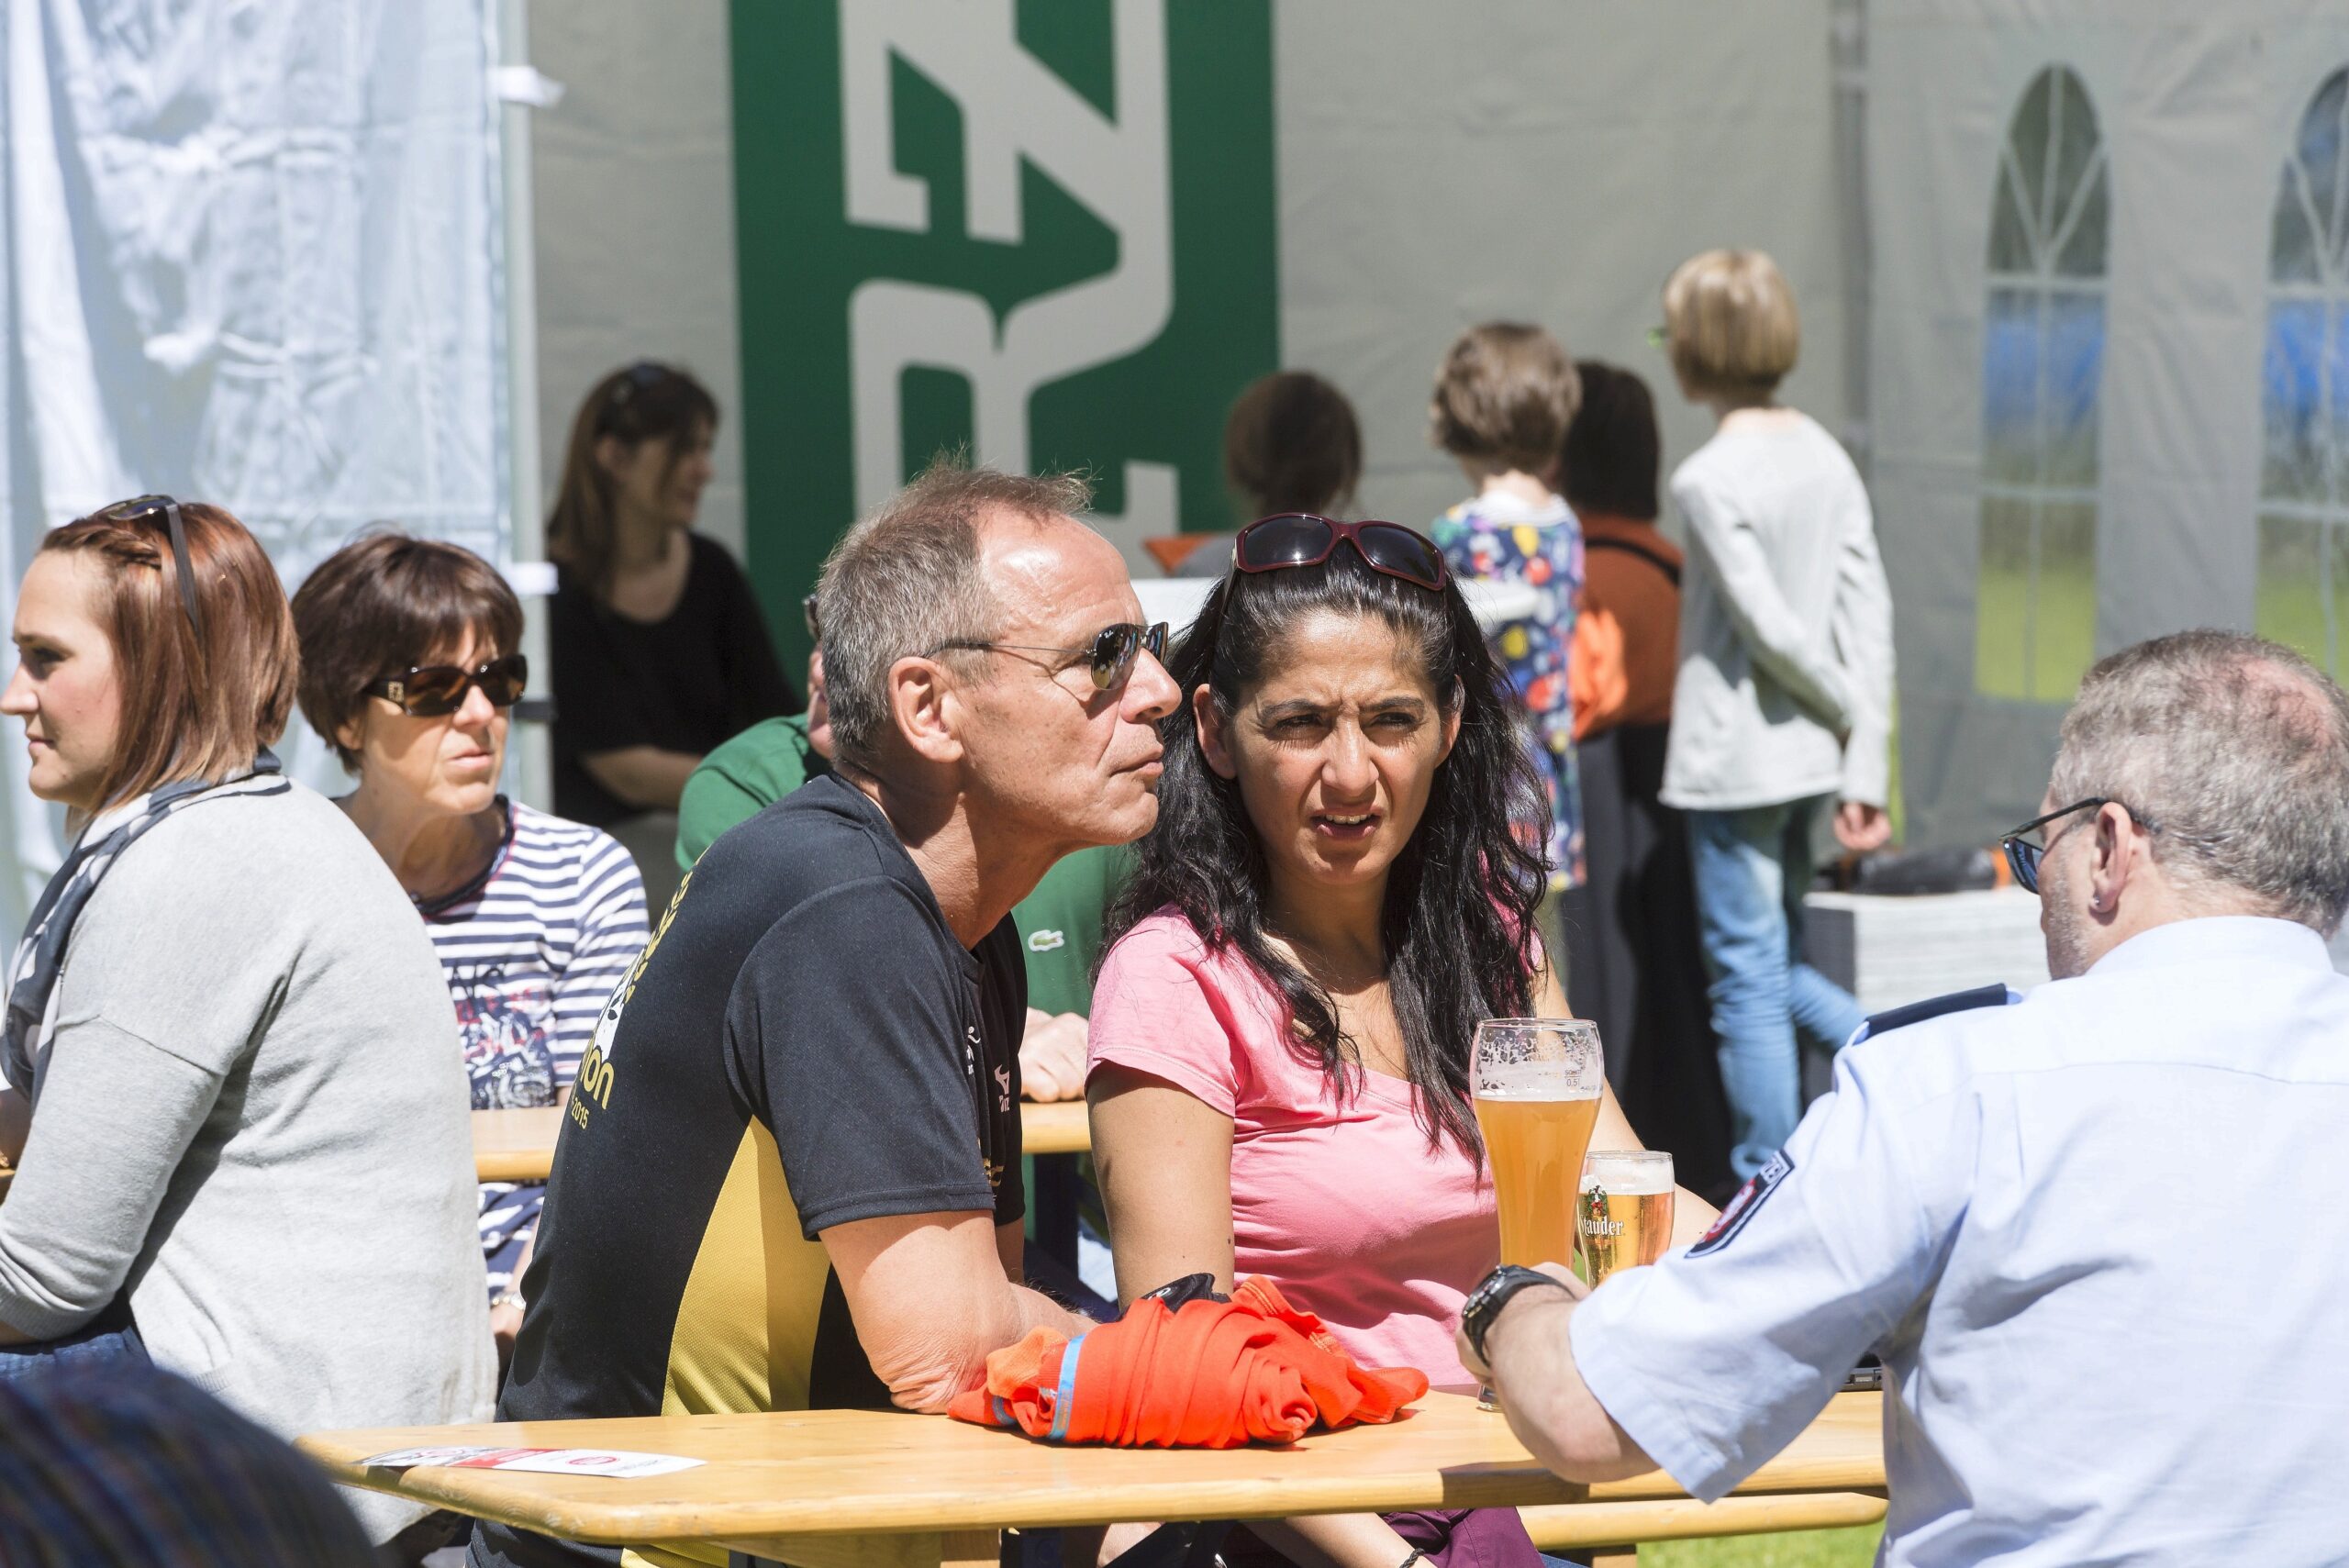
(1536, 1083)
(1626, 1210)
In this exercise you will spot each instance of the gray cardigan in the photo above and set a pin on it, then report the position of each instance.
(253, 1116)
(1785, 627)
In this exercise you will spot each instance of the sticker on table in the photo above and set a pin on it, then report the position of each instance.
(538, 1460)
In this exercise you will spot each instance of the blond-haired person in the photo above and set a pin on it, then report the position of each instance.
(1782, 708)
(1504, 397)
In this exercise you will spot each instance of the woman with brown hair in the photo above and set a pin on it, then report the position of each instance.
(241, 1141)
(659, 651)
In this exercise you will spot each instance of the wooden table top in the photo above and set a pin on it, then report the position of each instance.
(828, 1471)
(519, 1145)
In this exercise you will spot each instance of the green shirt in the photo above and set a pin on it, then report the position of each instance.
(1059, 923)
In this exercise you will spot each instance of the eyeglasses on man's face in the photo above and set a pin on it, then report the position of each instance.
(2023, 857)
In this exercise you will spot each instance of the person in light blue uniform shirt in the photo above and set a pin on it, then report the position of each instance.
(2100, 1234)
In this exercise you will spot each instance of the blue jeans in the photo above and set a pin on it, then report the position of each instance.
(93, 1348)
(1752, 870)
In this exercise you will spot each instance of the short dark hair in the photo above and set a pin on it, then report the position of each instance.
(1292, 444)
(387, 601)
(907, 579)
(1505, 393)
(1613, 452)
(194, 705)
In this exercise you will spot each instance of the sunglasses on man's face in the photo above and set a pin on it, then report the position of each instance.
(432, 691)
(1108, 658)
(1301, 539)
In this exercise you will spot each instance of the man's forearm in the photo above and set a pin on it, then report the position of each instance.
(1551, 1409)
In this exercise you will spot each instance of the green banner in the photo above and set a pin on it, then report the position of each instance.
(1041, 229)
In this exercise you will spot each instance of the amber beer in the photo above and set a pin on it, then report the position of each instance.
(1533, 1147)
(1625, 1218)
(1536, 1083)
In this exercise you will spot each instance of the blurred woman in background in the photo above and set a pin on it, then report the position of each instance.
(242, 1145)
(659, 651)
(411, 665)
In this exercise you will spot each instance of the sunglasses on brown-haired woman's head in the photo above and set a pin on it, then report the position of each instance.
(432, 691)
(1301, 539)
(138, 508)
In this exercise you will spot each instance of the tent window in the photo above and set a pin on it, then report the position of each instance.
(2303, 488)
(2043, 364)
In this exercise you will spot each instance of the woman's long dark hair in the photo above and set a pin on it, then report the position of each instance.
(1458, 924)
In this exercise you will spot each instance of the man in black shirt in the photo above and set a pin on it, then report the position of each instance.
(790, 1174)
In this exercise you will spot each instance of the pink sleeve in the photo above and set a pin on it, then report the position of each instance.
(1158, 1010)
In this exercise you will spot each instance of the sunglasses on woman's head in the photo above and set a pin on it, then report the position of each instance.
(641, 376)
(432, 691)
(140, 508)
(1108, 658)
(1300, 538)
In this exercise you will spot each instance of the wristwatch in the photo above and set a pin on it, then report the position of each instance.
(1483, 1308)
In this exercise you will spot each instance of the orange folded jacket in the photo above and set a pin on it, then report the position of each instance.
(1211, 1374)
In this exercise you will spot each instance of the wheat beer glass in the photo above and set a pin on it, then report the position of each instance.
(1626, 1215)
(1536, 1083)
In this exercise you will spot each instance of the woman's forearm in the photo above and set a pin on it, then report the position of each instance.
(647, 777)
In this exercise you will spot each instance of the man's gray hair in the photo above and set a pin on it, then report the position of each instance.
(2235, 751)
(907, 579)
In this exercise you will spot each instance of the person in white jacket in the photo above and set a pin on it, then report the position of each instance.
(1782, 708)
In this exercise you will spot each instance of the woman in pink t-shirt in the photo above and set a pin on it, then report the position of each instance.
(1336, 892)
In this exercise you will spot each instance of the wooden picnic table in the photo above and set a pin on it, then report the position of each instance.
(885, 1489)
(519, 1145)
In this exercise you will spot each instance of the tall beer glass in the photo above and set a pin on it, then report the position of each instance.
(1626, 1218)
(1536, 1083)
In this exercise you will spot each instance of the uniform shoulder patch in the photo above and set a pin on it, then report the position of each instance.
(1998, 995)
(1757, 1188)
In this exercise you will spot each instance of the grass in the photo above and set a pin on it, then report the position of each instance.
(1803, 1548)
(2033, 649)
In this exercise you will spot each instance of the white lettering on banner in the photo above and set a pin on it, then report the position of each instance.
(1013, 107)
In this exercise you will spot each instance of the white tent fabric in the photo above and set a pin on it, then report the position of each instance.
(252, 253)
(2196, 107)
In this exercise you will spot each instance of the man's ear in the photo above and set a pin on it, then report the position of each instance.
(2112, 855)
(1214, 736)
(926, 706)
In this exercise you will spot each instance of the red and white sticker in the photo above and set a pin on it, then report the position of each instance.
(543, 1460)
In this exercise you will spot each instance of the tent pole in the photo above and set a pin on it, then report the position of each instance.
(527, 539)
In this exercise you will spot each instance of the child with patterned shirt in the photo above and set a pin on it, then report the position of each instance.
(1504, 397)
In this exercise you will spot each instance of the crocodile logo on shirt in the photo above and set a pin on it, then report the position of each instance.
(1046, 941)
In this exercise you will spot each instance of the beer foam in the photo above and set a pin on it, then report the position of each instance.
(1531, 1081)
(1627, 1178)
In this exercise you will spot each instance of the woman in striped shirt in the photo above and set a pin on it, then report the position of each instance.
(410, 665)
